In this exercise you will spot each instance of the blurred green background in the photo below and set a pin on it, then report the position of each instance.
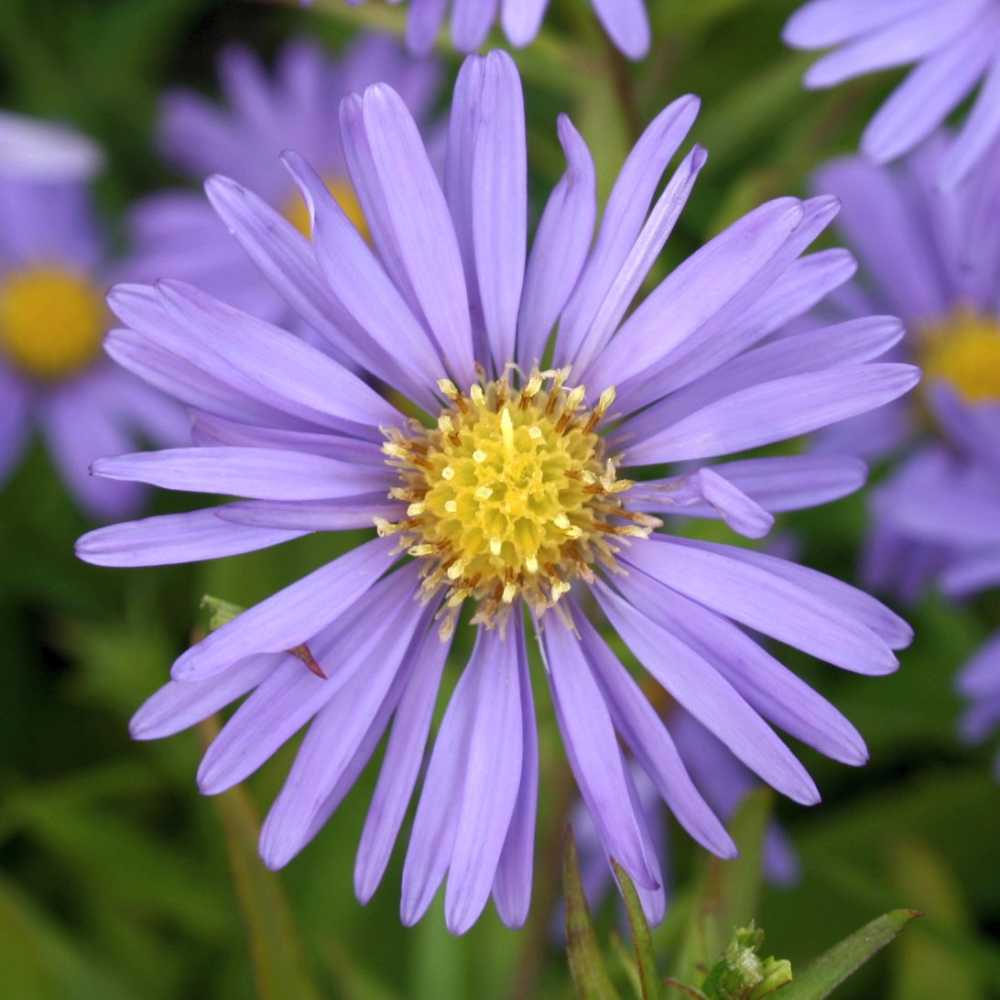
(117, 880)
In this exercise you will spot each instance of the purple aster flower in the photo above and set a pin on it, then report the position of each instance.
(53, 277)
(510, 496)
(176, 233)
(954, 46)
(933, 258)
(625, 22)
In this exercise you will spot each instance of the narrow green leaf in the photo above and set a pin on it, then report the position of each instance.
(219, 611)
(824, 975)
(642, 942)
(275, 946)
(626, 959)
(586, 964)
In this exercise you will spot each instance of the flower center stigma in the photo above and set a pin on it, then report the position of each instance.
(964, 351)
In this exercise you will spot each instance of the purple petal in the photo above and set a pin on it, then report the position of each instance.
(404, 756)
(178, 705)
(176, 538)
(812, 619)
(822, 23)
(258, 473)
(470, 22)
(774, 411)
(560, 247)
(770, 688)
(314, 515)
(292, 615)
(291, 695)
(624, 215)
(626, 23)
(512, 885)
(500, 202)
(492, 779)
(981, 675)
(931, 92)
(592, 748)
(421, 226)
(709, 697)
(436, 820)
(521, 20)
(344, 722)
(650, 741)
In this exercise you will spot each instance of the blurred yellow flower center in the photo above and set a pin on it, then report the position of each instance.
(298, 214)
(52, 322)
(965, 352)
(511, 494)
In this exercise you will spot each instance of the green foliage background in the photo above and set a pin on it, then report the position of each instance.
(117, 880)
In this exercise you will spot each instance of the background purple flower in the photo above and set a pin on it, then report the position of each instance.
(625, 22)
(933, 258)
(177, 235)
(53, 375)
(513, 500)
(955, 46)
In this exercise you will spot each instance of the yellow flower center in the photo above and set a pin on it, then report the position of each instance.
(511, 494)
(52, 322)
(298, 214)
(965, 352)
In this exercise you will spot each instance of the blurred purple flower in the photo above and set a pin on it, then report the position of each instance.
(933, 258)
(53, 276)
(625, 22)
(510, 497)
(176, 234)
(955, 46)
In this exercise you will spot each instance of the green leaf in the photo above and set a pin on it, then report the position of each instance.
(642, 942)
(275, 946)
(219, 612)
(824, 975)
(727, 891)
(586, 964)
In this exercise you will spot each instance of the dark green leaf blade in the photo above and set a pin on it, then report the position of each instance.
(824, 975)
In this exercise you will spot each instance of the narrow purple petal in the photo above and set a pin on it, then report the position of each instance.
(626, 23)
(492, 779)
(709, 697)
(650, 741)
(292, 615)
(592, 748)
(755, 594)
(313, 515)
(560, 247)
(403, 759)
(258, 473)
(512, 885)
(176, 538)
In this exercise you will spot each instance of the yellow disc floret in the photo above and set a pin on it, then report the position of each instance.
(510, 495)
(52, 321)
(965, 352)
(298, 214)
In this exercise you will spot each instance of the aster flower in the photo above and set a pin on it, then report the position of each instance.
(176, 233)
(510, 497)
(931, 257)
(625, 21)
(954, 46)
(53, 276)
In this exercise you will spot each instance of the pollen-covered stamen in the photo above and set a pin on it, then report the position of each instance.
(510, 495)
(964, 351)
